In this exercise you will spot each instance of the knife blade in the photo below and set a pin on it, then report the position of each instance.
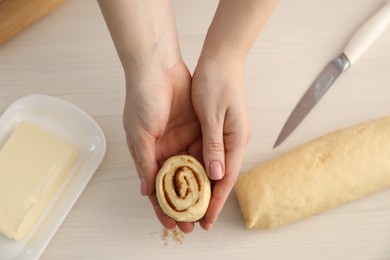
(357, 45)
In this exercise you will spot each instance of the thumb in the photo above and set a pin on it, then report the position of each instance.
(213, 151)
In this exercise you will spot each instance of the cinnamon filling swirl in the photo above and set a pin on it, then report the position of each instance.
(183, 188)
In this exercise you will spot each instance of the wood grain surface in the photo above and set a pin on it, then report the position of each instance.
(69, 54)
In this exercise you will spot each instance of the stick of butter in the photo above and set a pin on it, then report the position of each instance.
(33, 164)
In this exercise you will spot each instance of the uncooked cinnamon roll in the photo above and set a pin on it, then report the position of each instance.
(183, 188)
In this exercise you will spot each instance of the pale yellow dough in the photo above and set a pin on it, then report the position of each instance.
(33, 164)
(183, 188)
(335, 169)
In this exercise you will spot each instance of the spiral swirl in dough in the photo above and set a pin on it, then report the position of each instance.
(183, 189)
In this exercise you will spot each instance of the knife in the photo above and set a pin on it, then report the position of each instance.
(357, 45)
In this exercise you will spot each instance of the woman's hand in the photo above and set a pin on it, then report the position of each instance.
(218, 93)
(158, 116)
(219, 101)
(160, 122)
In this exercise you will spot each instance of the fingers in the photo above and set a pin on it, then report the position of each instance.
(166, 221)
(221, 191)
(186, 227)
(222, 188)
(236, 136)
(142, 150)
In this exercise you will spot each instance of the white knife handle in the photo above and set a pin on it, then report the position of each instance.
(367, 34)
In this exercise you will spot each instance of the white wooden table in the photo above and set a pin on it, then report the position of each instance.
(69, 54)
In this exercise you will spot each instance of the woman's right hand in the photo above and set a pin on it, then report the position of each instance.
(218, 97)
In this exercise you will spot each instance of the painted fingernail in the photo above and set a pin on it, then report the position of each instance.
(144, 187)
(216, 170)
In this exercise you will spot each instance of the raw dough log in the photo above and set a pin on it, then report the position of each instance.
(335, 169)
(183, 188)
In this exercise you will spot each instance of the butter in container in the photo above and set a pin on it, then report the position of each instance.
(33, 165)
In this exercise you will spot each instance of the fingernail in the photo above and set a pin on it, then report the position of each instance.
(216, 171)
(144, 187)
(207, 226)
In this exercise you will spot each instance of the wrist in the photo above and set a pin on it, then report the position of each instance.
(221, 62)
(222, 53)
(157, 76)
(144, 33)
(151, 64)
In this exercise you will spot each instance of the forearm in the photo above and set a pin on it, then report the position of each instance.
(143, 31)
(235, 27)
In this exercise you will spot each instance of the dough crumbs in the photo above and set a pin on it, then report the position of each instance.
(176, 235)
(165, 236)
